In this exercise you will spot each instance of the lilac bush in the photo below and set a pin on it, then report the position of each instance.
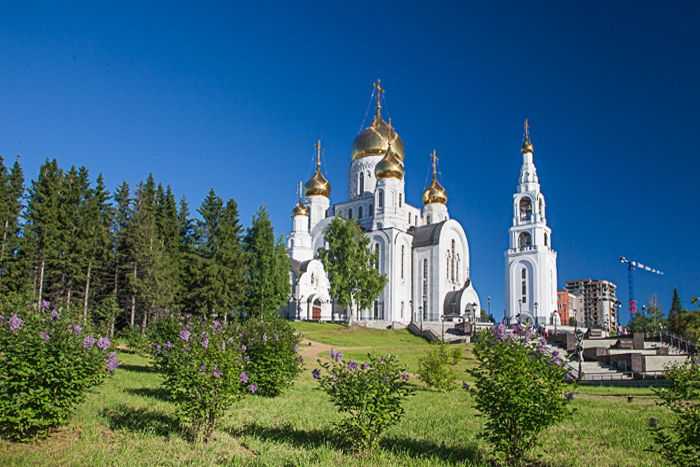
(204, 368)
(47, 366)
(370, 393)
(520, 389)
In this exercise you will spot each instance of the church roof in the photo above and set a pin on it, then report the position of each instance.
(299, 267)
(427, 234)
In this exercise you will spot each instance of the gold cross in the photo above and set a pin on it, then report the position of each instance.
(300, 192)
(380, 90)
(318, 148)
(527, 131)
(435, 159)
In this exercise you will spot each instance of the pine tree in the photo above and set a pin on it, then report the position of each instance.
(231, 260)
(188, 257)
(263, 290)
(207, 280)
(11, 191)
(121, 260)
(674, 314)
(351, 265)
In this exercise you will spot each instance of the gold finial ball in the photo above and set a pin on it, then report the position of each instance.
(374, 141)
(389, 167)
(527, 147)
(435, 193)
(317, 185)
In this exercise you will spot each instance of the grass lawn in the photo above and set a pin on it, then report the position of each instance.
(129, 421)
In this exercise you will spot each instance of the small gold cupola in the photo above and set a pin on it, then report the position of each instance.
(390, 166)
(317, 184)
(374, 140)
(527, 144)
(435, 193)
(300, 209)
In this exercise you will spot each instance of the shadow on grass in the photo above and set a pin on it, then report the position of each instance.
(155, 393)
(138, 368)
(141, 420)
(403, 447)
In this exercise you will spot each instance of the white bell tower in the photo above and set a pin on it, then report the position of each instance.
(531, 263)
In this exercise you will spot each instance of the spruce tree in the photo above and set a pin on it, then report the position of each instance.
(674, 314)
(11, 191)
(351, 265)
(231, 260)
(121, 260)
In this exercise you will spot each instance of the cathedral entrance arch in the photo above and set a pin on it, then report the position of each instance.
(316, 310)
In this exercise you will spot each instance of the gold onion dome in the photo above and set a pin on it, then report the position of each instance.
(300, 209)
(435, 193)
(527, 144)
(374, 140)
(390, 166)
(317, 184)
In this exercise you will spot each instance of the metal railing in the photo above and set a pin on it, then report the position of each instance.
(673, 340)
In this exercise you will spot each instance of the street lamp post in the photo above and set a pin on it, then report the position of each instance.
(536, 320)
(442, 318)
(488, 299)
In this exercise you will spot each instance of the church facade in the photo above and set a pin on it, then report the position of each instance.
(423, 253)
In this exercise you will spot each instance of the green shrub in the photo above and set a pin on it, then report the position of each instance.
(436, 367)
(271, 346)
(370, 393)
(203, 367)
(520, 390)
(47, 366)
(679, 442)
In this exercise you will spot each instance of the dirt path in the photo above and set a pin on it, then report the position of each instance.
(311, 349)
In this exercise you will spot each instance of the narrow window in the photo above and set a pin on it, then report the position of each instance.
(349, 213)
(359, 212)
(400, 199)
(362, 183)
(452, 262)
(371, 210)
(380, 200)
(403, 251)
(376, 252)
(425, 289)
(429, 220)
(523, 285)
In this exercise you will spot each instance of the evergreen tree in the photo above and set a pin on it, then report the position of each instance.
(121, 260)
(351, 265)
(11, 191)
(264, 290)
(674, 314)
(231, 260)
(189, 266)
(207, 280)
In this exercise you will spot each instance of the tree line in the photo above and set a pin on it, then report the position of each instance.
(120, 258)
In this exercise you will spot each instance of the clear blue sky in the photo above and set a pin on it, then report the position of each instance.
(233, 96)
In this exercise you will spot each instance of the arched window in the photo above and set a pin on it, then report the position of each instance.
(409, 217)
(400, 199)
(376, 252)
(425, 289)
(362, 184)
(523, 285)
(429, 220)
(380, 199)
(524, 240)
(546, 239)
(359, 212)
(371, 210)
(403, 251)
(349, 213)
(540, 212)
(525, 208)
(452, 261)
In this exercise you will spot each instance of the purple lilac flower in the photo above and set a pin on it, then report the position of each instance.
(217, 325)
(88, 342)
(216, 373)
(316, 373)
(365, 366)
(112, 362)
(202, 368)
(2, 318)
(404, 376)
(244, 377)
(264, 338)
(243, 348)
(187, 348)
(205, 340)
(168, 345)
(555, 356)
(277, 337)
(103, 343)
(332, 353)
(55, 314)
(386, 379)
(44, 305)
(466, 386)
(253, 388)
(185, 335)
(381, 360)
(528, 333)
(570, 377)
(45, 335)
(500, 332)
(230, 340)
(77, 329)
(338, 356)
(158, 348)
(296, 349)
(352, 366)
(569, 396)
(334, 377)
(15, 323)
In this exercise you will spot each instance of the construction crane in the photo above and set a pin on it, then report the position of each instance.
(631, 267)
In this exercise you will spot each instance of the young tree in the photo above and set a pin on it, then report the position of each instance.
(267, 270)
(351, 265)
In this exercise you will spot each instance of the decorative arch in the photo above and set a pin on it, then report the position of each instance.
(524, 240)
(525, 208)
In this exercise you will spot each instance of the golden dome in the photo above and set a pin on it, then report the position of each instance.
(435, 193)
(318, 185)
(389, 167)
(300, 210)
(374, 140)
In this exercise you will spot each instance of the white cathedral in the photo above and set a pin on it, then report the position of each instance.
(422, 252)
(531, 262)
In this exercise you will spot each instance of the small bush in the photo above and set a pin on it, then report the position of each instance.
(370, 393)
(47, 366)
(271, 346)
(436, 367)
(679, 442)
(203, 368)
(520, 390)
